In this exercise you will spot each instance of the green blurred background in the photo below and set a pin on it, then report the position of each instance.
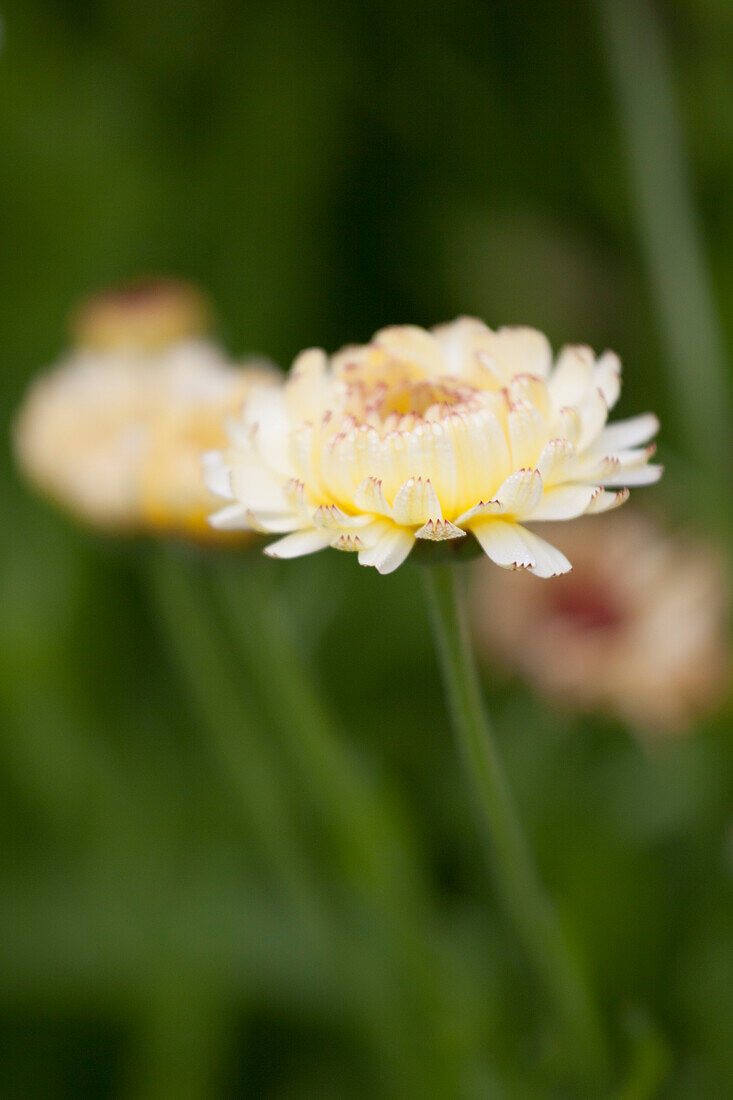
(323, 170)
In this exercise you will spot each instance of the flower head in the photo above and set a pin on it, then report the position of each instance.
(637, 628)
(431, 436)
(115, 431)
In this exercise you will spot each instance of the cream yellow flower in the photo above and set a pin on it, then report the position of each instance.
(431, 436)
(638, 627)
(115, 431)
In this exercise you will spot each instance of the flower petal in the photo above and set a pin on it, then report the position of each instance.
(389, 551)
(438, 530)
(533, 390)
(483, 508)
(572, 377)
(411, 344)
(299, 543)
(607, 377)
(564, 502)
(231, 518)
(332, 518)
(628, 433)
(503, 542)
(217, 474)
(416, 502)
(605, 502)
(255, 486)
(557, 462)
(527, 434)
(348, 541)
(513, 547)
(276, 523)
(549, 561)
(642, 475)
(370, 496)
(266, 411)
(593, 416)
(518, 349)
(521, 493)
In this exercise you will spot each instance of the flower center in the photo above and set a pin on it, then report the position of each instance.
(417, 398)
(402, 402)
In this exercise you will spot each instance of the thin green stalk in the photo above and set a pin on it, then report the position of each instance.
(359, 818)
(185, 1032)
(669, 228)
(356, 816)
(189, 619)
(188, 622)
(650, 1059)
(514, 872)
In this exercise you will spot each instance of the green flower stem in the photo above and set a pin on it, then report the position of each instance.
(183, 1046)
(359, 821)
(200, 650)
(515, 876)
(208, 670)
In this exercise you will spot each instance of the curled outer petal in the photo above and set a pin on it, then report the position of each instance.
(514, 547)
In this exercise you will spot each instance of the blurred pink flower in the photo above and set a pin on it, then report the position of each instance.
(637, 628)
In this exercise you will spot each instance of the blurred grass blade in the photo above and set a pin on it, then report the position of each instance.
(185, 1033)
(359, 822)
(362, 822)
(650, 1058)
(189, 625)
(669, 228)
(200, 649)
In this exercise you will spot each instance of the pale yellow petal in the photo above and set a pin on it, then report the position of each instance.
(572, 377)
(217, 475)
(231, 518)
(521, 493)
(607, 377)
(557, 462)
(483, 508)
(527, 434)
(604, 501)
(370, 497)
(389, 550)
(564, 502)
(299, 544)
(518, 349)
(416, 502)
(628, 433)
(514, 547)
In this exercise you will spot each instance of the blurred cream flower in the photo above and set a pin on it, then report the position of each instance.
(638, 627)
(115, 431)
(430, 436)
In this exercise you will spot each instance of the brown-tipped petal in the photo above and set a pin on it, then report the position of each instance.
(416, 502)
(521, 493)
(370, 496)
(439, 530)
(604, 501)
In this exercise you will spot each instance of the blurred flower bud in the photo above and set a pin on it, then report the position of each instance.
(146, 314)
(114, 433)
